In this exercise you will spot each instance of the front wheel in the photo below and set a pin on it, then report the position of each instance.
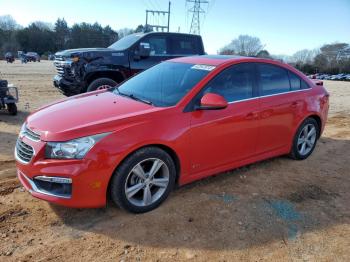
(101, 83)
(144, 180)
(305, 139)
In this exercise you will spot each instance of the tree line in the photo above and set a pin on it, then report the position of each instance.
(45, 38)
(330, 58)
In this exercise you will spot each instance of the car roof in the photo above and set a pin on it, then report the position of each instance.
(215, 60)
(167, 33)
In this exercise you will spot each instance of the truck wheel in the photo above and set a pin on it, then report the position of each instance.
(12, 109)
(101, 83)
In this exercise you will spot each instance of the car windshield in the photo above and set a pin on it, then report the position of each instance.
(164, 84)
(125, 42)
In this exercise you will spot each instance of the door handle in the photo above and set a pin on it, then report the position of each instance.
(251, 116)
(295, 104)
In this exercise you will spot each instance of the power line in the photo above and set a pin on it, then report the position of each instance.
(196, 11)
(154, 18)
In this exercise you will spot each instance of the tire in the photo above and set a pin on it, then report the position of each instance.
(296, 151)
(124, 175)
(96, 84)
(12, 109)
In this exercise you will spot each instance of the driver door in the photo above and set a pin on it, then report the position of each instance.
(220, 138)
(159, 52)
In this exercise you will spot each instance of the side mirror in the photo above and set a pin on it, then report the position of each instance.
(144, 49)
(211, 101)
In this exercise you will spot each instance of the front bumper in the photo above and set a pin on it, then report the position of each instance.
(87, 178)
(66, 87)
(49, 186)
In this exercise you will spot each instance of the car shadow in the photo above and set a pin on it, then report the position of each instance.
(13, 120)
(276, 200)
(7, 144)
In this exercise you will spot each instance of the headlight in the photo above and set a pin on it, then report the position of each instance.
(73, 149)
(23, 129)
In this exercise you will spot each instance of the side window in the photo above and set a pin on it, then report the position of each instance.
(273, 79)
(304, 85)
(158, 45)
(296, 83)
(235, 83)
(183, 46)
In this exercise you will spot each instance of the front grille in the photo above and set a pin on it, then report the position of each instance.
(63, 68)
(31, 134)
(24, 152)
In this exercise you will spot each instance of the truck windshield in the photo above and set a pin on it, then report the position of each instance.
(164, 84)
(125, 42)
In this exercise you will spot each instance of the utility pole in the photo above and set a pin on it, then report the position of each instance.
(196, 11)
(154, 15)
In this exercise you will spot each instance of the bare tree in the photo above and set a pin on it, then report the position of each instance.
(7, 23)
(244, 45)
(44, 25)
(124, 32)
(304, 56)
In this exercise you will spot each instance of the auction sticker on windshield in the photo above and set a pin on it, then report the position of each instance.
(203, 67)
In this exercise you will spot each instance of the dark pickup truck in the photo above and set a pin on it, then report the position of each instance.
(87, 69)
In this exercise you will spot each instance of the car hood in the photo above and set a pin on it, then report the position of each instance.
(87, 114)
(69, 52)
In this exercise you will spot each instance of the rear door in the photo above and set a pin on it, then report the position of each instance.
(278, 109)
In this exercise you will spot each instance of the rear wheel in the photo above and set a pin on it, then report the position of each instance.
(144, 180)
(12, 109)
(305, 139)
(101, 83)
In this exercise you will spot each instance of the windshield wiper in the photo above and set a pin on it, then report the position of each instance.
(134, 97)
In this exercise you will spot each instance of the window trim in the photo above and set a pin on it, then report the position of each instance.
(190, 107)
(277, 94)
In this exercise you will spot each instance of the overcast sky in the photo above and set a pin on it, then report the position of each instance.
(284, 26)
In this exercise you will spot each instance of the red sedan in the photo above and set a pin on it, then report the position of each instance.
(180, 121)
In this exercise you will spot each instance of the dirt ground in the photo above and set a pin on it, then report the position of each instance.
(275, 210)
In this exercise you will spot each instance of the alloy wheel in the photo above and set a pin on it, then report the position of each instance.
(147, 182)
(306, 139)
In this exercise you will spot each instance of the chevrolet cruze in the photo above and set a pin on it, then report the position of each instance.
(180, 121)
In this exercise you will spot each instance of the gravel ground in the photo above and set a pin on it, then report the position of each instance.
(275, 210)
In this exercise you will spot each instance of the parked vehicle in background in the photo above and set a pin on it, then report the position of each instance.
(51, 57)
(32, 57)
(339, 77)
(177, 122)
(8, 97)
(88, 69)
(9, 57)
